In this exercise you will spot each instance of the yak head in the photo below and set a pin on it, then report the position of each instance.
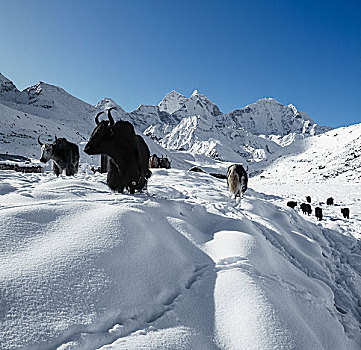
(101, 136)
(108, 137)
(47, 150)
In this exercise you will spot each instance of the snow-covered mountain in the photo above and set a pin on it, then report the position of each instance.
(195, 124)
(41, 110)
(172, 102)
(253, 132)
(270, 118)
(199, 135)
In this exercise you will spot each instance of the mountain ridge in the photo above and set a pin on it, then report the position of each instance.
(196, 124)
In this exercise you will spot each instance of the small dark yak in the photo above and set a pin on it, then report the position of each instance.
(345, 212)
(306, 208)
(318, 213)
(64, 156)
(292, 204)
(128, 153)
(164, 163)
(329, 201)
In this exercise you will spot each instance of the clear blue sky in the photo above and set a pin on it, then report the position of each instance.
(303, 52)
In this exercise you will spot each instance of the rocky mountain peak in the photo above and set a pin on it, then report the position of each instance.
(8, 90)
(107, 103)
(195, 93)
(172, 102)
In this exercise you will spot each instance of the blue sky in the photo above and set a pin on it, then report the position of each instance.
(303, 52)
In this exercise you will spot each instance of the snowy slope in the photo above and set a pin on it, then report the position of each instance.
(182, 267)
(19, 132)
(335, 154)
(54, 103)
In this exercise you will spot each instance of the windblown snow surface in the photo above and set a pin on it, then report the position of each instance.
(182, 266)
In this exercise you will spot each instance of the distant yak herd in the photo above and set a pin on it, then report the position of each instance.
(129, 161)
(306, 208)
(156, 162)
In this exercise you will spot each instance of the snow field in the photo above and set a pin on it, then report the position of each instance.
(179, 267)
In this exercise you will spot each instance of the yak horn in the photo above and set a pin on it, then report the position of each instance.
(56, 139)
(97, 117)
(111, 120)
(39, 141)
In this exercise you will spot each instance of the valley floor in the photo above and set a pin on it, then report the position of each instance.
(179, 267)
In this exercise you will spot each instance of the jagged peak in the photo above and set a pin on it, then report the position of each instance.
(172, 102)
(195, 93)
(171, 95)
(175, 93)
(41, 86)
(106, 103)
(105, 100)
(142, 106)
(267, 100)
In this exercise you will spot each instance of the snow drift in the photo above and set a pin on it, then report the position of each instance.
(181, 266)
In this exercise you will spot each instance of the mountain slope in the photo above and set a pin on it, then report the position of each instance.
(335, 154)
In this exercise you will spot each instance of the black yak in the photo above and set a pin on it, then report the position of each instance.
(306, 208)
(318, 213)
(164, 163)
(345, 212)
(329, 201)
(128, 154)
(292, 204)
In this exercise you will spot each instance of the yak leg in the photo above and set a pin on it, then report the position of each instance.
(56, 169)
(76, 167)
(69, 171)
